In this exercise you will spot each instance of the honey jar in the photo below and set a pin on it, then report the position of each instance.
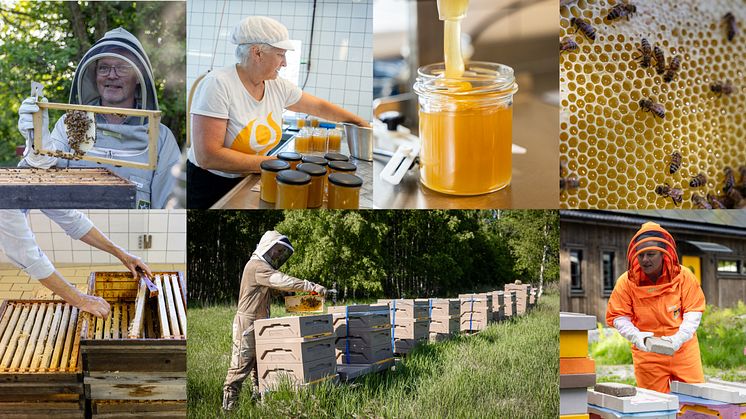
(303, 140)
(335, 139)
(292, 189)
(290, 157)
(316, 190)
(315, 160)
(344, 191)
(341, 167)
(336, 157)
(466, 128)
(318, 140)
(269, 169)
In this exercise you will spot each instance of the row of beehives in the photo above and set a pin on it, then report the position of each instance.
(52, 358)
(355, 340)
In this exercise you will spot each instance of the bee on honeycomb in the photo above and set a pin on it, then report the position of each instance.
(621, 153)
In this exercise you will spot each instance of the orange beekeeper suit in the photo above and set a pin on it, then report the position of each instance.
(670, 307)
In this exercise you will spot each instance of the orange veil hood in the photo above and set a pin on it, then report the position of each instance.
(656, 238)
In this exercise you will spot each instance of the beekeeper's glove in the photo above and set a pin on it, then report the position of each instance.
(686, 331)
(631, 333)
(26, 127)
(319, 289)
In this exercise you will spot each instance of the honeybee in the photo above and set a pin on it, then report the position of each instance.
(666, 191)
(660, 60)
(698, 180)
(646, 53)
(568, 44)
(621, 10)
(715, 202)
(657, 109)
(730, 180)
(700, 202)
(730, 25)
(736, 197)
(675, 162)
(673, 67)
(569, 183)
(584, 27)
(742, 171)
(722, 88)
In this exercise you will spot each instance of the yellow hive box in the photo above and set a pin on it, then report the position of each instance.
(573, 343)
(583, 416)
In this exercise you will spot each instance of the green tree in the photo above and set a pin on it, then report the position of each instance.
(533, 236)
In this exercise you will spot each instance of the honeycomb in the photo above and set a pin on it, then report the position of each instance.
(616, 153)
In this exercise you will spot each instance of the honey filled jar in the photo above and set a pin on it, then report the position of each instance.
(466, 128)
(292, 189)
(315, 160)
(290, 157)
(336, 157)
(341, 167)
(344, 191)
(269, 168)
(316, 190)
(335, 140)
(303, 140)
(319, 139)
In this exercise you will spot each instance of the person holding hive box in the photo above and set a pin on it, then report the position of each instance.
(657, 297)
(237, 111)
(18, 242)
(115, 72)
(260, 274)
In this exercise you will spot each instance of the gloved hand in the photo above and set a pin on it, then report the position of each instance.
(687, 329)
(319, 289)
(631, 333)
(676, 339)
(639, 340)
(26, 127)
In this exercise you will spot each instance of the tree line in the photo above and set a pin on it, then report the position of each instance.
(377, 253)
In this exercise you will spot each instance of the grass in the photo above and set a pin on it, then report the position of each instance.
(510, 369)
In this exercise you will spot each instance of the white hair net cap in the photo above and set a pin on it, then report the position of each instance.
(261, 30)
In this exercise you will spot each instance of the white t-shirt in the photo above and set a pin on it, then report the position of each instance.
(254, 126)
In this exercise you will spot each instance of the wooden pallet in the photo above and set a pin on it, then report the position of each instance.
(136, 409)
(65, 188)
(40, 371)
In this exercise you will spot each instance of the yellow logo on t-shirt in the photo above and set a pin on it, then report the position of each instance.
(258, 137)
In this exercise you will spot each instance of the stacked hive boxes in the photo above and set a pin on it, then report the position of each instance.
(476, 311)
(444, 317)
(299, 348)
(39, 365)
(135, 359)
(498, 306)
(714, 399)
(409, 324)
(521, 293)
(577, 371)
(511, 305)
(531, 297)
(645, 403)
(363, 334)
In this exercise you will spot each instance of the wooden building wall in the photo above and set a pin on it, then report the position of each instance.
(720, 289)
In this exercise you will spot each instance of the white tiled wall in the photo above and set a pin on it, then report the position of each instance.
(123, 227)
(341, 56)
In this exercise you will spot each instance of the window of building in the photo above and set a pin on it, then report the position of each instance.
(576, 279)
(609, 276)
(729, 266)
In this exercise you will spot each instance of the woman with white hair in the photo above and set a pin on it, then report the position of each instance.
(237, 111)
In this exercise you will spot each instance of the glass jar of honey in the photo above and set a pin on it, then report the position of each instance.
(315, 160)
(270, 168)
(341, 167)
(302, 142)
(336, 157)
(335, 139)
(292, 189)
(344, 191)
(466, 128)
(319, 139)
(290, 157)
(316, 190)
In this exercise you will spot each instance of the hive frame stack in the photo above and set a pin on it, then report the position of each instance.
(714, 399)
(40, 370)
(476, 311)
(299, 349)
(521, 294)
(409, 324)
(363, 339)
(135, 360)
(444, 316)
(646, 403)
(498, 306)
(577, 370)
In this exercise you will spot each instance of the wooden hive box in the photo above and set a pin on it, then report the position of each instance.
(134, 361)
(65, 188)
(40, 371)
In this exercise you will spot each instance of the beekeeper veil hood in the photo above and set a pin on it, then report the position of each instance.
(652, 236)
(274, 248)
(117, 43)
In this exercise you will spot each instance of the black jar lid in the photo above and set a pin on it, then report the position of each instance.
(293, 177)
(346, 180)
(311, 169)
(274, 165)
(336, 157)
(342, 166)
(315, 160)
(289, 156)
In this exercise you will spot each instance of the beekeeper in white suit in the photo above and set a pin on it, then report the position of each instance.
(115, 72)
(18, 242)
(260, 274)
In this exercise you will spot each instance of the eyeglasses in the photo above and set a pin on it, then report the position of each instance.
(119, 70)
